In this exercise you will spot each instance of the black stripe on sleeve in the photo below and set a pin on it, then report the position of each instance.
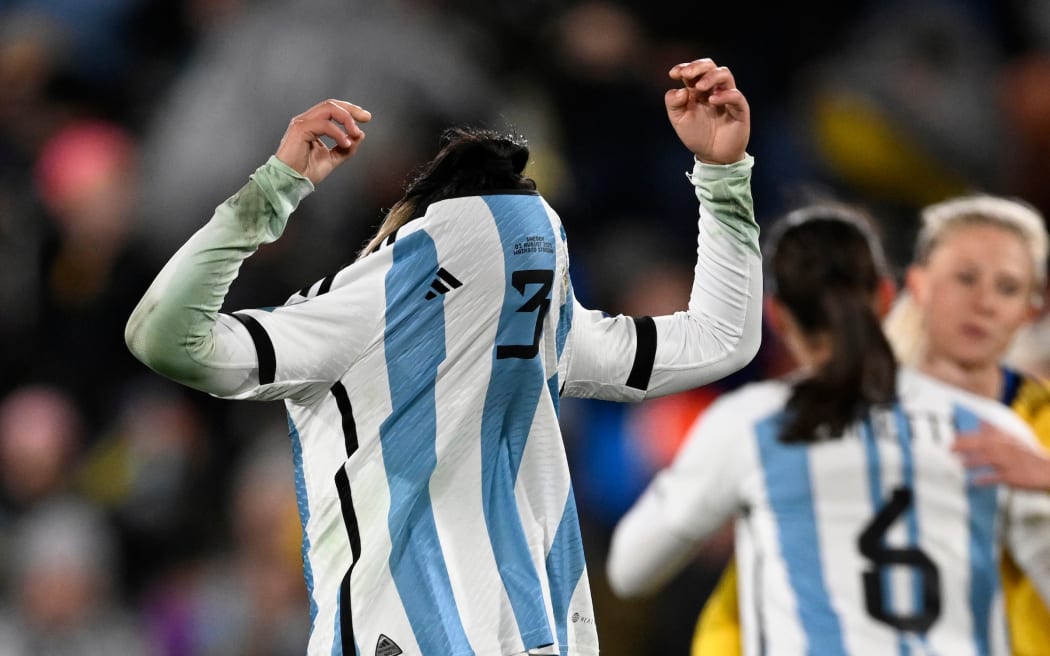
(644, 354)
(263, 348)
(346, 616)
(342, 401)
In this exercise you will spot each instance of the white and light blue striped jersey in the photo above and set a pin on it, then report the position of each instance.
(873, 543)
(422, 386)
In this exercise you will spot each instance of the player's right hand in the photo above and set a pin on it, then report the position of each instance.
(710, 115)
(302, 149)
(998, 457)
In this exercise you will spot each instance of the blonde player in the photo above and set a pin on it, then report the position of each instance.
(979, 275)
(859, 531)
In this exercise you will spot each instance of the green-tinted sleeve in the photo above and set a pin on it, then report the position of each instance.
(725, 192)
(175, 328)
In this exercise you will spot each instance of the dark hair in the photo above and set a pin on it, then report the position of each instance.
(470, 161)
(826, 266)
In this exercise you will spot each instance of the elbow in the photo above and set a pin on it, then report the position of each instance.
(143, 346)
(742, 348)
(626, 571)
(747, 346)
(153, 347)
(135, 335)
(622, 583)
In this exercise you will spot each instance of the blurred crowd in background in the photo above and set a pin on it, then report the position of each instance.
(139, 517)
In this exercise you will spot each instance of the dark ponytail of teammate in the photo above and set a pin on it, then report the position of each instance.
(471, 161)
(827, 267)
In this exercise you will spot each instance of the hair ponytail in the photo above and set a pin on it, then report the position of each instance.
(826, 270)
(860, 372)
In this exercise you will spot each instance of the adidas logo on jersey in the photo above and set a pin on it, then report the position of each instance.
(438, 286)
(387, 647)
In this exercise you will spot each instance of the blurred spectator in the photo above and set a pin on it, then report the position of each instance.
(902, 115)
(40, 439)
(154, 470)
(252, 601)
(1025, 101)
(90, 274)
(600, 56)
(401, 60)
(97, 56)
(61, 604)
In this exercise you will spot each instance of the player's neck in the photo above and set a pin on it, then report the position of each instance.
(983, 380)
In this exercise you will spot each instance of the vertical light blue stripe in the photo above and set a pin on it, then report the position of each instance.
(984, 566)
(515, 389)
(564, 322)
(565, 314)
(565, 566)
(414, 342)
(564, 325)
(871, 449)
(552, 389)
(904, 439)
(337, 640)
(786, 473)
(303, 502)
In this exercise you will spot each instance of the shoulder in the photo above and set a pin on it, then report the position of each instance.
(751, 402)
(376, 263)
(919, 391)
(1033, 393)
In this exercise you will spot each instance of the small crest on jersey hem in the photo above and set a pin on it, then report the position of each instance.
(387, 647)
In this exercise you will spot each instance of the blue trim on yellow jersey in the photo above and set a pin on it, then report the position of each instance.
(1012, 381)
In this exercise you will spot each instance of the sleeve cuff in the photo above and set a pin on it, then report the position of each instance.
(283, 186)
(702, 172)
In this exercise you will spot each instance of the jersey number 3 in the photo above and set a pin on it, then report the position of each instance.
(540, 303)
(872, 547)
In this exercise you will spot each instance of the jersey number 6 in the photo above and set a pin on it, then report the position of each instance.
(540, 303)
(871, 546)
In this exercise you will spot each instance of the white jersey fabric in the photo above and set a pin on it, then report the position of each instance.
(422, 386)
(873, 543)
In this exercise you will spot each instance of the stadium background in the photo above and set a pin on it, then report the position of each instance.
(140, 517)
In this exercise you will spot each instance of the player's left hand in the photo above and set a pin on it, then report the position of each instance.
(302, 149)
(1003, 458)
(710, 115)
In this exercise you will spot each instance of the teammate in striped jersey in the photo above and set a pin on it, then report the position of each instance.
(980, 263)
(422, 382)
(858, 529)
